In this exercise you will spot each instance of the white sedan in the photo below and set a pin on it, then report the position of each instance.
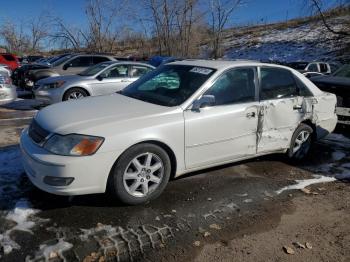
(181, 117)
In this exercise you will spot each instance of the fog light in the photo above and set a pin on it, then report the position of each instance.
(58, 181)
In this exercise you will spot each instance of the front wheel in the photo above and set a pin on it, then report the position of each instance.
(74, 94)
(301, 142)
(140, 174)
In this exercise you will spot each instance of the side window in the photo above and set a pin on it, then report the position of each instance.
(277, 83)
(234, 86)
(81, 61)
(312, 68)
(137, 71)
(119, 71)
(99, 59)
(303, 89)
(323, 68)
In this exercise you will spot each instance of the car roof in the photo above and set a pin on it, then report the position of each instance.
(221, 64)
(127, 63)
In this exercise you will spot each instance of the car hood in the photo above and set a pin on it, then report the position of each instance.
(67, 78)
(90, 113)
(332, 80)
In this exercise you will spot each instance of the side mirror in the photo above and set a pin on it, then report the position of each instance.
(99, 77)
(205, 100)
(66, 66)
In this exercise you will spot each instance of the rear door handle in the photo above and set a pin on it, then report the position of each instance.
(250, 114)
(297, 107)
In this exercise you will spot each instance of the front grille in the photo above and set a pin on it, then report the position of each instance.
(37, 133)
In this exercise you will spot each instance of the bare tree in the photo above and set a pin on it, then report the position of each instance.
(38, 30)
(14, 37)
(67, 36)
(220, 11)
(316, 8)
(102, 30)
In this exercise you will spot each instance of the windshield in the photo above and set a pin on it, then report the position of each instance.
(93, 70)
(170, 85)
(61, 60)
(344, 71)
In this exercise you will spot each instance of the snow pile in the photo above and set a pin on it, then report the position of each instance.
(307, 42)
(300, 184)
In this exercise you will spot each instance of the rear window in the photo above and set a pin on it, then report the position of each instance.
(9, 57)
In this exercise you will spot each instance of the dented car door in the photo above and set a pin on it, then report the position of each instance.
(282, 109)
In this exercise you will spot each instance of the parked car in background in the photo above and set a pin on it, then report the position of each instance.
(5, 69)
(10, 60)
(67, 65)
(181, 117)
(102, 79)
(310, 69)
(20, 76)
(338, 83)
(7, 90)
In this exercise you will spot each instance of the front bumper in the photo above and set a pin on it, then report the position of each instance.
(90, 173)
(48, 96)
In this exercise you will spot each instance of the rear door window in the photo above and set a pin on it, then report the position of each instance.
(323, 68)
(81, 61)
(277, 83)
(99, 59)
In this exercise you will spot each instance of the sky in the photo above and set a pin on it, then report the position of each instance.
(72, 11)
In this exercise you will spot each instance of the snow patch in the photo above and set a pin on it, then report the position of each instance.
(300, 184)
(21, 215)
(50, 252)
(15, 207)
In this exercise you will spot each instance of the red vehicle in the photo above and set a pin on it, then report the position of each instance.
(10, 60)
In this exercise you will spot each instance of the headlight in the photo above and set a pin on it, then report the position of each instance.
(73, 145)
(54, 85)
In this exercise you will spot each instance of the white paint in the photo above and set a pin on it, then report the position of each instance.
(300, 184)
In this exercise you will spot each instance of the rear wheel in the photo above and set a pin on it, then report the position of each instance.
(74, 94)
(301, 142)
(140, 174)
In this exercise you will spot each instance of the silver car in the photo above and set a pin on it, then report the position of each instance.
(7, 90)
(101, 79)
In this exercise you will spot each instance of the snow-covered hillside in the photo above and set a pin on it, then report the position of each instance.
(309, 41)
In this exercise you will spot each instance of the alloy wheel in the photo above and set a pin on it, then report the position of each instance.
(301, 142)
(143, 174)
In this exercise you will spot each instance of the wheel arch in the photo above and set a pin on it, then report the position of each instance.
(82, 88)
(313, 126)
(162, 145)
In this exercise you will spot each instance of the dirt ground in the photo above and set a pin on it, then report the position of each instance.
(320, 220)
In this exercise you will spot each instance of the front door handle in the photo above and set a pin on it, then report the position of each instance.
(125, 80)
(297, 107)
(250, 114)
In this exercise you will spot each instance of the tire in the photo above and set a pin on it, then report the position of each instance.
(300, 143)
(76, 92)
(134, 182)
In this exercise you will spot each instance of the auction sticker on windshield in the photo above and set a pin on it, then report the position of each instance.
(201, 70)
